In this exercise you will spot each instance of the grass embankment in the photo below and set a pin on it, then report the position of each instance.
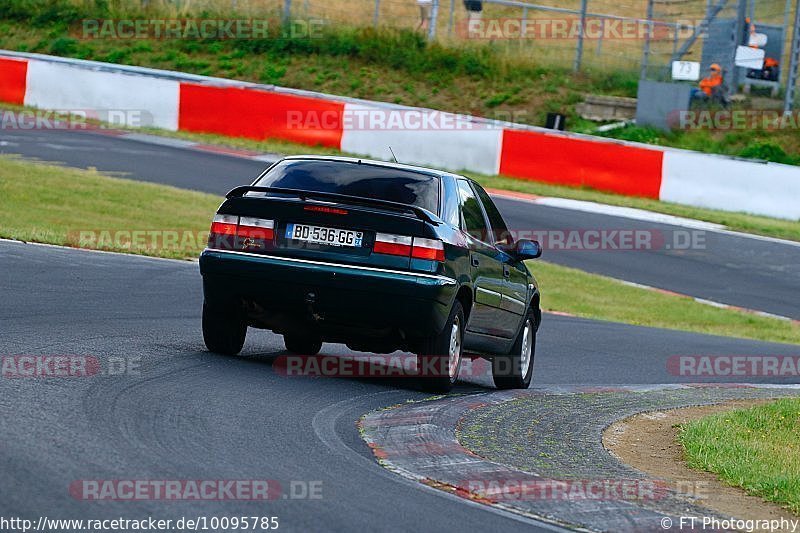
(56, 205)
(480, 78)
(756, 449)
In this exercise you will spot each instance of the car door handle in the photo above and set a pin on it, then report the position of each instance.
(475, 261)
(506, 271)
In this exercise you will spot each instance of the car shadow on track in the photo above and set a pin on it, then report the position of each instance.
(397, 370)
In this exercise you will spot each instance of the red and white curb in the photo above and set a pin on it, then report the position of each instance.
(418, 442)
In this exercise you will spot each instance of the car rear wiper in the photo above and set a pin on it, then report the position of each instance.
(420, 212)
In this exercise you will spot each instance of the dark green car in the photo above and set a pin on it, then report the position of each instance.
(378, 256)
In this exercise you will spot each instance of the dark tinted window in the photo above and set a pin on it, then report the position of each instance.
(471, 212)
(354, 179)
(500, 232)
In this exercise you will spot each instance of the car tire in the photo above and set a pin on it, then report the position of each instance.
(302, 344)
(439, 357)
(223, 333)
(515, 370)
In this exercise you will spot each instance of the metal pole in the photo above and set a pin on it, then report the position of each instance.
(452, 17)
(646, 51)
(579, 50)
(287, 10)
(698, 31)
(739, 27)
(791, 83)
(523, 28)
(434, 18)
(600, 40)
(377, 13)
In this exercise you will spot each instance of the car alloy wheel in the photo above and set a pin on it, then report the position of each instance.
(454, 355)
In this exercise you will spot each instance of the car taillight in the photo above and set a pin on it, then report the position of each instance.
(386, 243)
(430, 249)
(256, 228)
(224, 224)
(230, 232)
(417, 247)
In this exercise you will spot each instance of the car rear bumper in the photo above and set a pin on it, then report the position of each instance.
(282, 293)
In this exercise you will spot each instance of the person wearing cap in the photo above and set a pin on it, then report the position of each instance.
(712, 83)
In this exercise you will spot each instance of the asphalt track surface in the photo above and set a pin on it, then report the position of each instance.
(742, 271)
(184, 413)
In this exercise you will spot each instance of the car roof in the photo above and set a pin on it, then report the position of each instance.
(373, 162)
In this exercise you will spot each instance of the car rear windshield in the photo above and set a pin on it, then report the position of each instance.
(356, 179)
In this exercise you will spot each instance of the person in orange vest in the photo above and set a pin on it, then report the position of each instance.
(712, 88)
(713, 82)
(771, 69)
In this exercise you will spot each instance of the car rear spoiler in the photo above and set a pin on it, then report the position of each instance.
(420, 212)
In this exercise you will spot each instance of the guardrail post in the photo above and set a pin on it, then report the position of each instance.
(579, 49)
(434, 19)
(794, 63)
(377, 13)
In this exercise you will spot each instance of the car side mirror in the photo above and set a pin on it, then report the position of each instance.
(525, 249)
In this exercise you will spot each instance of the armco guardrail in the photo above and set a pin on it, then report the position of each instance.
(177, 101)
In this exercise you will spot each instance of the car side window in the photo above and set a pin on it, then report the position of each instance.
(500, 233)
(473, 221)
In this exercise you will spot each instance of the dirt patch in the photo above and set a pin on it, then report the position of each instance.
(648, 442)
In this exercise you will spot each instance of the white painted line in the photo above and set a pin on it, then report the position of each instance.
(644, 215)
(108, 252)
(627, 212)
(159, 140)
(712, 303)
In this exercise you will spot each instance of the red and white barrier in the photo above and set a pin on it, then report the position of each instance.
(63, 86)
(582, 161)
(422, 137)
(258, 114)
(13, 75)
(177, 101)
(728, 184)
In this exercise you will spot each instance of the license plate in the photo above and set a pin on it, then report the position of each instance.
(322, 235)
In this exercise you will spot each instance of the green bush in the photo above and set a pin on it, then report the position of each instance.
(767, 152)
